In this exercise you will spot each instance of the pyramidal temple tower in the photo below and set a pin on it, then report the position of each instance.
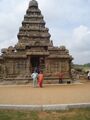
(34, 50)
(33, 33)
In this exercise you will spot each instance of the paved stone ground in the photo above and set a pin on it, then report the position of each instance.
(49, 94)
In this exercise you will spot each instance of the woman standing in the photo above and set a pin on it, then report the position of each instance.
(40, 79)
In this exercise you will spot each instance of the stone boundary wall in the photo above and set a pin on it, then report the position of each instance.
(52, 107)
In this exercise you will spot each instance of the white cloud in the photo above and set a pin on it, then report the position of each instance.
(80, 46)
(80, 33)
(81, 36)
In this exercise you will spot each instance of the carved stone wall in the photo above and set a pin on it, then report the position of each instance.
(55, 66)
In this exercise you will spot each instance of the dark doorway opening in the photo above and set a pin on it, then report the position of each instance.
(37, 62)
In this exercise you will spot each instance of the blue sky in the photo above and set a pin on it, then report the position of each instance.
(68, 22)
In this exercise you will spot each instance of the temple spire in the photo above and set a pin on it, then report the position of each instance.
(33, 28)
(33, 3)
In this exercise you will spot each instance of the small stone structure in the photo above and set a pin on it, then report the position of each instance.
(34, 49)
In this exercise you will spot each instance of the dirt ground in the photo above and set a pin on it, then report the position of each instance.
(49, 94)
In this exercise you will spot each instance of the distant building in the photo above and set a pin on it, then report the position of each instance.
(34, 50)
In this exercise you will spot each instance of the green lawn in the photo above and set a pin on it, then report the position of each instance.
(75, 114)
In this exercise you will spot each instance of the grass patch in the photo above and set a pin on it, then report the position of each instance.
(74, 114)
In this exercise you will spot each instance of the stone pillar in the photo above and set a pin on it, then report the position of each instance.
(28, 72)
(46, 64)
(70, 67)
(3, 71)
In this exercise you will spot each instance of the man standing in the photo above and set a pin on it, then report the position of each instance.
(34, 76)
(61, 77)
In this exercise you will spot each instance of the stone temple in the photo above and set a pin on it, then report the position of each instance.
(34, 49)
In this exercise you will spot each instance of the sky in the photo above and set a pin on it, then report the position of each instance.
(68, 22)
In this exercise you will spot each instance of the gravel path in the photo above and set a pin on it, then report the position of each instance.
(49, 94)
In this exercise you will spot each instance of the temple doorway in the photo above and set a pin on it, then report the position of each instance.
(37, 61)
